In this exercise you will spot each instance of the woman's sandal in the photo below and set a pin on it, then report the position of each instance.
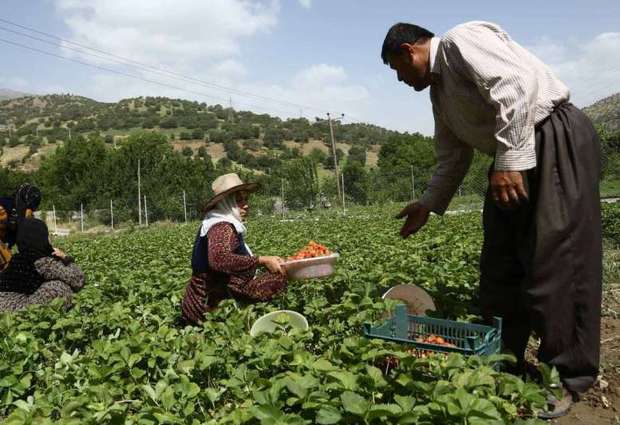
(558, 408)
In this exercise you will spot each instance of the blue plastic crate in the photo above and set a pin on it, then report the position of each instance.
(467, 338)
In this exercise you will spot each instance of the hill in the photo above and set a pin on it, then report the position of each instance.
(33, 124)
(6, 94)
(606, 113)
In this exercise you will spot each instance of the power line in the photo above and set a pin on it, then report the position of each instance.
(137, 77)
(144, 66)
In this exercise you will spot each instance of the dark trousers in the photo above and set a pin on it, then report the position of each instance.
(541, 264)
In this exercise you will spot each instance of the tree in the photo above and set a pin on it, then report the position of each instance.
(273, 138)
(357, 154)
(396, 159)
(251, 145)
(198, 133)
(301, 182)
(168, 122)
(355, 182)
(318, 156)
(73, 174)
(328, 163)
(187, 151)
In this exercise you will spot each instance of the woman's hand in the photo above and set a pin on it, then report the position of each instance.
(272, 263)
(59, 253)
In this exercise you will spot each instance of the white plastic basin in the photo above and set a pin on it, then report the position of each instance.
(267, 323)
(310, 268)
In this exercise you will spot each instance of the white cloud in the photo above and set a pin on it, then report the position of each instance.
(306, 3)
(590, 68)
(202, 40)
(177, 34)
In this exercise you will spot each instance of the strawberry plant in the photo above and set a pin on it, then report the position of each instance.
(121, 354)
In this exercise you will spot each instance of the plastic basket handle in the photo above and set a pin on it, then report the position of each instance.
(497, 324)
(400, 326)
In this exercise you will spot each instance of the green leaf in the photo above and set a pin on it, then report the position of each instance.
(266, 412)
(384, 411)
(406, 403)
(354, 403)
(328, 415)
(296, 388)
(377, 376)
(323, 365)
(347, 379)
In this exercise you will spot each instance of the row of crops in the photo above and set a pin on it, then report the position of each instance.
(122, 356)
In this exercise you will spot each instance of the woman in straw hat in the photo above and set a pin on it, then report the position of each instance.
(223, 266)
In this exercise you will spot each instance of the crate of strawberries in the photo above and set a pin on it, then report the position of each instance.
(311, 262)
(427, 335)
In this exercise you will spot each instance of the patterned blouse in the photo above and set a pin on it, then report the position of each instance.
(230, 275)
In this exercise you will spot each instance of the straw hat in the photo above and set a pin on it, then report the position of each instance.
(226, 184)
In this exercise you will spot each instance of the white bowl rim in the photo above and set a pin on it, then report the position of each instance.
(277, 312)
(309, 260)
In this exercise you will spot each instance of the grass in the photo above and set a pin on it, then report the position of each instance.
(610, 188)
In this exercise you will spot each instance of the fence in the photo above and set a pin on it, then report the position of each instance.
(284, 195)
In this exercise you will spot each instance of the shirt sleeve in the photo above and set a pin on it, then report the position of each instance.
(483, 52)
(454, 158)
(223, 241)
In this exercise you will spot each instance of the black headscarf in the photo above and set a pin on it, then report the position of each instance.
(33, 238)
(33, 243)
(26, 197)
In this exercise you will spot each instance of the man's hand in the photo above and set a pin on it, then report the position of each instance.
(272, 263)
(507, 189)
(417, 216)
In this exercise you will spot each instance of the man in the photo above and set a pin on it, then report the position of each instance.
(541, 259)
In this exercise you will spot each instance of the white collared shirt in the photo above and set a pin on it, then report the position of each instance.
(488, 93)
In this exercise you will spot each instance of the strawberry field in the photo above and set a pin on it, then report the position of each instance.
(121, 354)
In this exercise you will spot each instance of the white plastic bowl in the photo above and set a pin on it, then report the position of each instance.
(310, 268)
(267, 322)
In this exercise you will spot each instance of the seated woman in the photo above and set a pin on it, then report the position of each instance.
(222, 264)
(37, 273)
(21, 204)
(7, 239)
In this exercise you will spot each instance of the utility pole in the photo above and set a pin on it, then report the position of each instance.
(331, 132)
(344, 209)
(282, 195)
(55, 222)
(139, 197)
(111, 215)
(146, 212)
(82, 217)
(184, 207)
(69, 128)
(412, 185)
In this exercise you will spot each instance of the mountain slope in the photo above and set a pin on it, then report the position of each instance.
(7, 94)
(606, 113)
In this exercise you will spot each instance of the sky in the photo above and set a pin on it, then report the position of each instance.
(288, 58)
